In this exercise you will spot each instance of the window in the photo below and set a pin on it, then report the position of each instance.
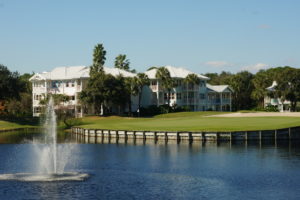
(153, 85)
(38, 97)
(67, 84)
(165, 95)
(178, 95)
(172, 96)
(153, 82)
(178, 83)
(72, 98)
(72, 84)
(79, 82)
(202, 84)
(54, 84)
(37, 110)
(202, 96)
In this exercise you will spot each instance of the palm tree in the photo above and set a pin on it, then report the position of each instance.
(97, 76)
(139, 82)
(121, 62)
(167, 83)
(98, 59)
(131, 89)
(150, 68)
(191, 79)
(261, 82)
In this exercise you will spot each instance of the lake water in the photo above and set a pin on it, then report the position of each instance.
(138, 170)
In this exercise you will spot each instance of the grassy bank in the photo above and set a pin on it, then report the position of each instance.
(189, 121)
(5, 125)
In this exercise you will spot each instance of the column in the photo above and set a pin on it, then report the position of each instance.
(221, 102)
(230, 101)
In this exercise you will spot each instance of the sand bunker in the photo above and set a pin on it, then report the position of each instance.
(260, 114)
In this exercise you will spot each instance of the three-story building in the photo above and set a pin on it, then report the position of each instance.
(71, 81)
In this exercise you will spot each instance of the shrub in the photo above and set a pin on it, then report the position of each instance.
(271, 108)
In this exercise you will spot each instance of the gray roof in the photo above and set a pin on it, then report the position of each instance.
(175, 72)
(219, 88)
(76, 72)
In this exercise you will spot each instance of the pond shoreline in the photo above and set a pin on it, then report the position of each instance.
(292, 133)
(21, 129)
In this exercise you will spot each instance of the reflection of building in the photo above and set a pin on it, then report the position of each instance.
(2, 107)
(71, 81)
(200, 97)
(282, 105)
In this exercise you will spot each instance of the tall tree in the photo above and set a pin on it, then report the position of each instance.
(219, 79)
(243, 86)
(164, 77)
(96, 84)
(288, 87)
(139, 82)
(10, 84)
(130, 89)
(260, 82)
(191, 80)
(99, 57)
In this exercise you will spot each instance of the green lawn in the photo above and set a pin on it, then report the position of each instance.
(10, 125)
(189, 121)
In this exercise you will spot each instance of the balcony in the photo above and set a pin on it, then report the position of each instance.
(218, 101)
(191, 101)
(191, 88)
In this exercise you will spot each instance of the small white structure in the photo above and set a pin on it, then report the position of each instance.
(282, 104)
(71, 81)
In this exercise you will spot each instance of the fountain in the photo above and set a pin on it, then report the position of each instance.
(51, 165)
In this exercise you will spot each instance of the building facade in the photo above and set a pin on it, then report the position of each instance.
(71, 81)
(199, 97)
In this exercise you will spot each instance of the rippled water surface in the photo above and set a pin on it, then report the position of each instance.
(138, 170)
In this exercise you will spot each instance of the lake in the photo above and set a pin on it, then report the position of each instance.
(139, 170)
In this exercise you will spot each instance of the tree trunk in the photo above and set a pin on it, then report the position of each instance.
(187, 95)
(169, 98)
(293, 106)
(129, 106)
(140, 97)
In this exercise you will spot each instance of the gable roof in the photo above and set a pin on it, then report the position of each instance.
(272, 87)
(219, 88)
(175, 72)
(76, 72)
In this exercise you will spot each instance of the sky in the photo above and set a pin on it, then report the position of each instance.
(199, 35)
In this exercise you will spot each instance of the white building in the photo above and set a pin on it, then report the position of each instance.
(72, 80)
(69, 81)
(199, 97)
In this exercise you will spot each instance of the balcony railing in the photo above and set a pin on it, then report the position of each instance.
(218, 101)
(190, 88)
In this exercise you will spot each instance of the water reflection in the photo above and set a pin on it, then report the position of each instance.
(17, 137)
(148, 169)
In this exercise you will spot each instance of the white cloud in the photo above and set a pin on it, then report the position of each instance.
(218, 63)
(256, 67)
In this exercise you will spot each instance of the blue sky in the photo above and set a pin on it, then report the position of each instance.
(202, 36)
